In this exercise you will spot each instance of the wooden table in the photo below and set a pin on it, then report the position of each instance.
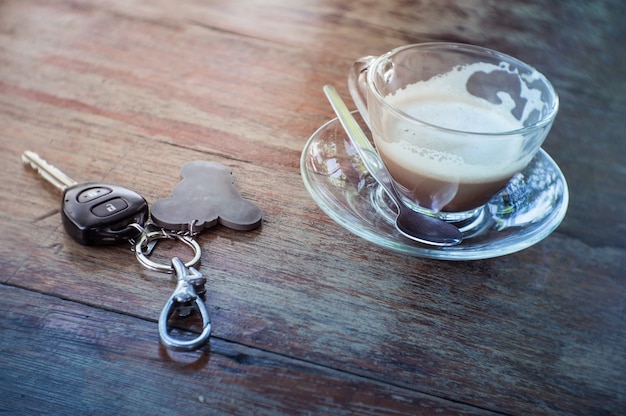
(307, 317)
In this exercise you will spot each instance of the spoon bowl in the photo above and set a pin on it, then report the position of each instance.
(414, 225)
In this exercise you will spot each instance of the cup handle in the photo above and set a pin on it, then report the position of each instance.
(357, 85)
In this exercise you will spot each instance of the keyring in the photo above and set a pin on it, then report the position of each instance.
(147, 238)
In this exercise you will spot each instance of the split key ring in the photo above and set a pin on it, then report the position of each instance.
(153, 236)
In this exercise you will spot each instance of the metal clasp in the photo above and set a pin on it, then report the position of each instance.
(186, 297)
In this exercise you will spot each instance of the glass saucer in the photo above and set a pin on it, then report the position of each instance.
(525, 212)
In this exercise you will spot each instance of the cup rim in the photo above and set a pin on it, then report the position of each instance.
(545, 121)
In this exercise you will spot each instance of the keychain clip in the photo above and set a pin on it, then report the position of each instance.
(186, 296)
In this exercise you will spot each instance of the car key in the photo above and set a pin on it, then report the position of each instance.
(94, 213)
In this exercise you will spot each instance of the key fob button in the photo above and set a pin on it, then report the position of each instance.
(92, 193)
(110, 207)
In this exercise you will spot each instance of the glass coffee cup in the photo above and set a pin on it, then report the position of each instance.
(453, 123)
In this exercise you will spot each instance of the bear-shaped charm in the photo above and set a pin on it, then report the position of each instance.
(205, 196)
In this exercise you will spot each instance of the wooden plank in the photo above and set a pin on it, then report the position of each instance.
(416, 323)
(537, 32)
(537, 336)
(219, 103)
(61, 357)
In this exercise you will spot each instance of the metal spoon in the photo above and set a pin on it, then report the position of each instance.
(411, 224)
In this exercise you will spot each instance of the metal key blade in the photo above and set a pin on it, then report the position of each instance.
(49, 172)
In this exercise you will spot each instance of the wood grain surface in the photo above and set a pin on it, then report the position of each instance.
(307, 317)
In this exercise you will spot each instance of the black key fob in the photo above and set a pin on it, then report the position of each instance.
(100, 213)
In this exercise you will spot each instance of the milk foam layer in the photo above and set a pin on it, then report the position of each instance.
(445, 101)
(454, 156)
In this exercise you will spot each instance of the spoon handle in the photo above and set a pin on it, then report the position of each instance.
(364, 148)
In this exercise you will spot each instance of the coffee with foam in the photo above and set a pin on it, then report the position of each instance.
(456, 149)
